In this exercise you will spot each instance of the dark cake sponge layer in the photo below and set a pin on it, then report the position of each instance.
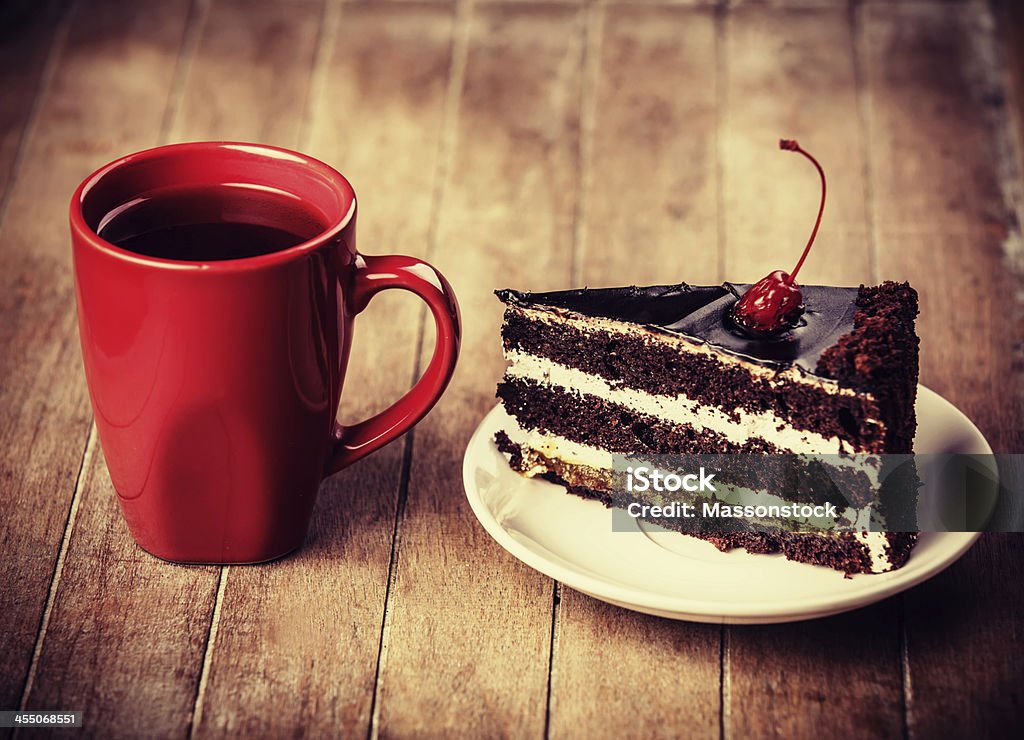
(656, 367)
(880, 355)
(599, 423)
(615, 428)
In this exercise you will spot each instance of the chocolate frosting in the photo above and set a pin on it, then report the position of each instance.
(702, 312)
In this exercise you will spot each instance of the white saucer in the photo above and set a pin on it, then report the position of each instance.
(671, 575)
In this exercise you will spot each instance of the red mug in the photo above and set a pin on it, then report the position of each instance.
(215, 385)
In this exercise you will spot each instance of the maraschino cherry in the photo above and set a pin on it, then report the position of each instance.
(774, 302)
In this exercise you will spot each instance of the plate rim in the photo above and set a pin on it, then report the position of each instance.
(683, 607)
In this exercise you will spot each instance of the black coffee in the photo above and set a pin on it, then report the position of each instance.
(207, 224)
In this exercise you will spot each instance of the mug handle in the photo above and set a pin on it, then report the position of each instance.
(372, 275)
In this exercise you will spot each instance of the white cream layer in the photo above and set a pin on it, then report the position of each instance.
(676, 409)
(575, 453)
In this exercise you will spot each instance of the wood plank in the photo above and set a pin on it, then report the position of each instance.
(840, 674)
(944, 181)
(963, 645)
(792, 4)
(250, 78)
(618, 673)
(468, 627)
(807, 92)
(656, 115)
(108, 96)
(298, 640)
(655, 228)
(27, 35)
(799, 680)
(807, 4)
(1009, 16)
(943, 172)
(127, 633)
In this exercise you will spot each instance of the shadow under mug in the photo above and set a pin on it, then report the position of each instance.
(215, 385)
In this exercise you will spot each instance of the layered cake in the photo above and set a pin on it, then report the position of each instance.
(662, 370)
(772, 369)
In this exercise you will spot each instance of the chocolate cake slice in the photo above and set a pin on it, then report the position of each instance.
(666, 370)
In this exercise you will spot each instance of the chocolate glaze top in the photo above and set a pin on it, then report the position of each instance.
(702, 312)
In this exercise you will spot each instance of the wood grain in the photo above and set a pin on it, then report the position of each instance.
(964, 646)
(943, 220)
(808, 92)
(610, 663)
(46, 415)
(941, 173)
(298, 640)
(127, 633)
(468, 627)
(650, 206)
(838, 676)
(619, 673)
(250, 77)
(579, 142)
(1009, 17)
(800, 680)
(27, 35)
(28, 39)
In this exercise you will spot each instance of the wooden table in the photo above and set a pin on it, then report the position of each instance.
(541, 146)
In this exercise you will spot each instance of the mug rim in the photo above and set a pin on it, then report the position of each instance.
(335, 226)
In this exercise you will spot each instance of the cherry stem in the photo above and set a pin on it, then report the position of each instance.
(790, 145)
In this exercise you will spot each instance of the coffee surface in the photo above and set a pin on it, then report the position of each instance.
(211, 224)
